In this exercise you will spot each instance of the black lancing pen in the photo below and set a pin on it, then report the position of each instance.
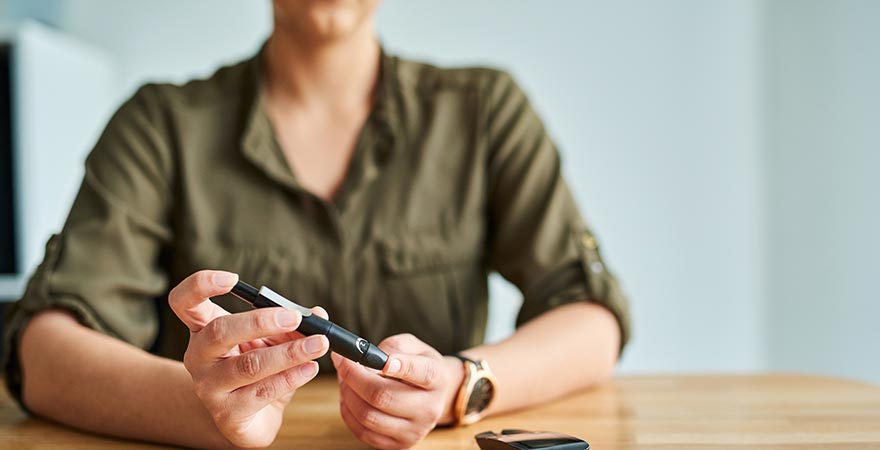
(342, 341)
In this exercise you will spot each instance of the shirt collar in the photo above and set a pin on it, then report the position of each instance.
(375, 141)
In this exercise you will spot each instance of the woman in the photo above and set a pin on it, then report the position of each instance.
(382, 189)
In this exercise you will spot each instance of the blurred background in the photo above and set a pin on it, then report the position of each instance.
(726, 152)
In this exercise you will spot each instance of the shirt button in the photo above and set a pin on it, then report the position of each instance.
(589, 242)
(597, 267)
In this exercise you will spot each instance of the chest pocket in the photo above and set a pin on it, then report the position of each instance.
(430, 286)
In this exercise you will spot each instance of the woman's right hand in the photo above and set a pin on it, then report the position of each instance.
(245, 367)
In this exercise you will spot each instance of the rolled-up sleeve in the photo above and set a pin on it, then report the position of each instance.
(104, 265)
(538, 239)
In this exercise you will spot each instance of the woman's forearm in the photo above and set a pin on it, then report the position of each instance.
(566, 349)
(82, 378)
(87, 380)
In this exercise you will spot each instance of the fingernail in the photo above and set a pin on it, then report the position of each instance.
(225, 279)
(393, 367)
(308, 370)
(287, 318)
(314, 344)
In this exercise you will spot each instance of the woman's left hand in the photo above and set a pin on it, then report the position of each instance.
(398, 407)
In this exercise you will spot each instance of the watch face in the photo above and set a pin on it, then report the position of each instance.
(480, 397)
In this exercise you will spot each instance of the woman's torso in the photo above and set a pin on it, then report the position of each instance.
(401, 248)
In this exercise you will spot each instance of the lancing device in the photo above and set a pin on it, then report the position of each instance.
(341, 340)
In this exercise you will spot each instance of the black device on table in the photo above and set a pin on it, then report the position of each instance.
(529, 440)
(341, 340)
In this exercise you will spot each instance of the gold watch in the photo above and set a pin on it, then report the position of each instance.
(476, 392)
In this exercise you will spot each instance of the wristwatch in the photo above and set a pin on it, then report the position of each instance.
(476, 392)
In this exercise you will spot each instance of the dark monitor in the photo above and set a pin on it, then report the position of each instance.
(8, 253)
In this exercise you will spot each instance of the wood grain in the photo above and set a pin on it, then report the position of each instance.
(634, 412)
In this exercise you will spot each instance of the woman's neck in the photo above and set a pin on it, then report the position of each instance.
(335, 74)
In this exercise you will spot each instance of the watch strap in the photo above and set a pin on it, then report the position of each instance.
(466, 359)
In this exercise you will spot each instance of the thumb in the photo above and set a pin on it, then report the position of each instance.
(417, 370)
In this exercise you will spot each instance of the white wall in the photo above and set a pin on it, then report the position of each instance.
(653, 105)
(168, 40)
(64, 95)
(823, 66)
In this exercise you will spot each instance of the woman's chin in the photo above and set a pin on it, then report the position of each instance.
(325, 19)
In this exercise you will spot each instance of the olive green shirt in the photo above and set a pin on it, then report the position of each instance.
(453, 176)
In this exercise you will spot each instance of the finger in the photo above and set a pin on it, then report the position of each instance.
(226, 332)
(275, 340)
(252, 345)
(385, 394)
(252, 398)
(336, 359)
(257, 364)
(190, 300)
(373, 418)
(403, 342)
(407, 343)
(418, 370)
(321, 312)
(366, 435)
(342, 364)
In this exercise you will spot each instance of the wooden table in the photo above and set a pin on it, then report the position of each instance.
(635, 412)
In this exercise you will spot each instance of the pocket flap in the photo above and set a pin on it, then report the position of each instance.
(427, 251)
